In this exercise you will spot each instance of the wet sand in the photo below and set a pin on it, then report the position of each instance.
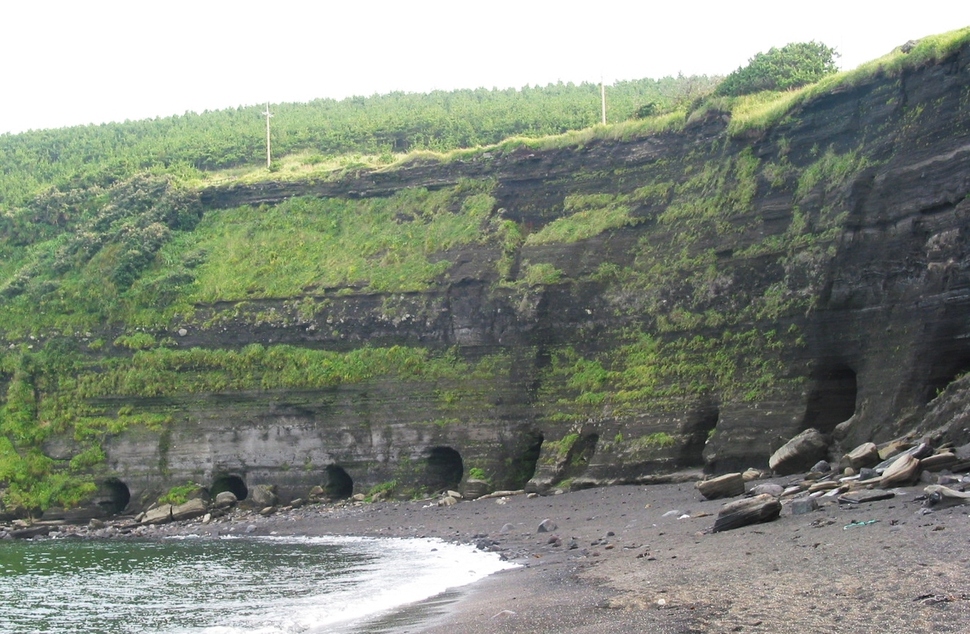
(623, 563)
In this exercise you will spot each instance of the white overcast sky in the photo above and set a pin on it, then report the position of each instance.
(78, 62)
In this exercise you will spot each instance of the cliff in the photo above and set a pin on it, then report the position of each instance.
(613, 310)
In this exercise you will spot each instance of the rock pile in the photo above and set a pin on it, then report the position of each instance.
(863, 475)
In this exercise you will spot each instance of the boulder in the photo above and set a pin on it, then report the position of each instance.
(190, 510)
(865, 455)
(225, 500)
(263, 495)
(761, 508)
(725, 486)
(30, 532)
(904, 469)
(547, 526)
(158, 515)
(938, 462)
(474, 489)
(799, 453)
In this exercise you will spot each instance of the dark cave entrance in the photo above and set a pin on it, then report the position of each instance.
(443, 469)
(340, 485)
(232, 483)
(944, 372)
(700, 426)
(832, 399)
(115, 496)
(523, 466)
(579, 455)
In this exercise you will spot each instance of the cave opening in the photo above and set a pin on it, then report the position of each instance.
(444, 469)
(700, 427)
(832, 399)
(340, 485)
(116, 496)
(232, 483)
(523, 465)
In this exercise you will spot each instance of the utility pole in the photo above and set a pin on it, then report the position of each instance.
(268, 115)
(602, 98)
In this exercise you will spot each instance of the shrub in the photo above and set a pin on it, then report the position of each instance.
(791, 66)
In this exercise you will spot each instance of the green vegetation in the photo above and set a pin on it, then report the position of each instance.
(179, 494)
(792, 66)
(321, 131)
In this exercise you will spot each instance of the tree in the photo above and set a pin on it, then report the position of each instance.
(789, 67)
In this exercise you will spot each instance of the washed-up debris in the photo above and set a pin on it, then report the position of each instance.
(761, 508)
(858, 523)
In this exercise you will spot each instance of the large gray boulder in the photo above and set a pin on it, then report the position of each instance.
(158, 515)
(263, 495)
(190, 510)
(800, 453)
(225, 499)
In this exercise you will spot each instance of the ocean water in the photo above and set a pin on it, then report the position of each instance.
(229, 585)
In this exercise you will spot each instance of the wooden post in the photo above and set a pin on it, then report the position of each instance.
(268, 115)
(603, 98)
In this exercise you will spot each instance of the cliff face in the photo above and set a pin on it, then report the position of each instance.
(812, 274)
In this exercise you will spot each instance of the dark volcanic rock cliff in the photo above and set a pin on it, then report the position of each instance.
(811, 273)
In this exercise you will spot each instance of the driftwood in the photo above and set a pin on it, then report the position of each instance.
(761, 508)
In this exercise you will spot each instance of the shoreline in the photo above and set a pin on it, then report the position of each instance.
(620, 560)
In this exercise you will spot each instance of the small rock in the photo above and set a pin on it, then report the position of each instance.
(183, 332)
(802, 506)
(447, 501)
(268, 510)
(751, 474)
(822, 466)
(771, 489)
(547, 526)
(95, 524)
(506, 529)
